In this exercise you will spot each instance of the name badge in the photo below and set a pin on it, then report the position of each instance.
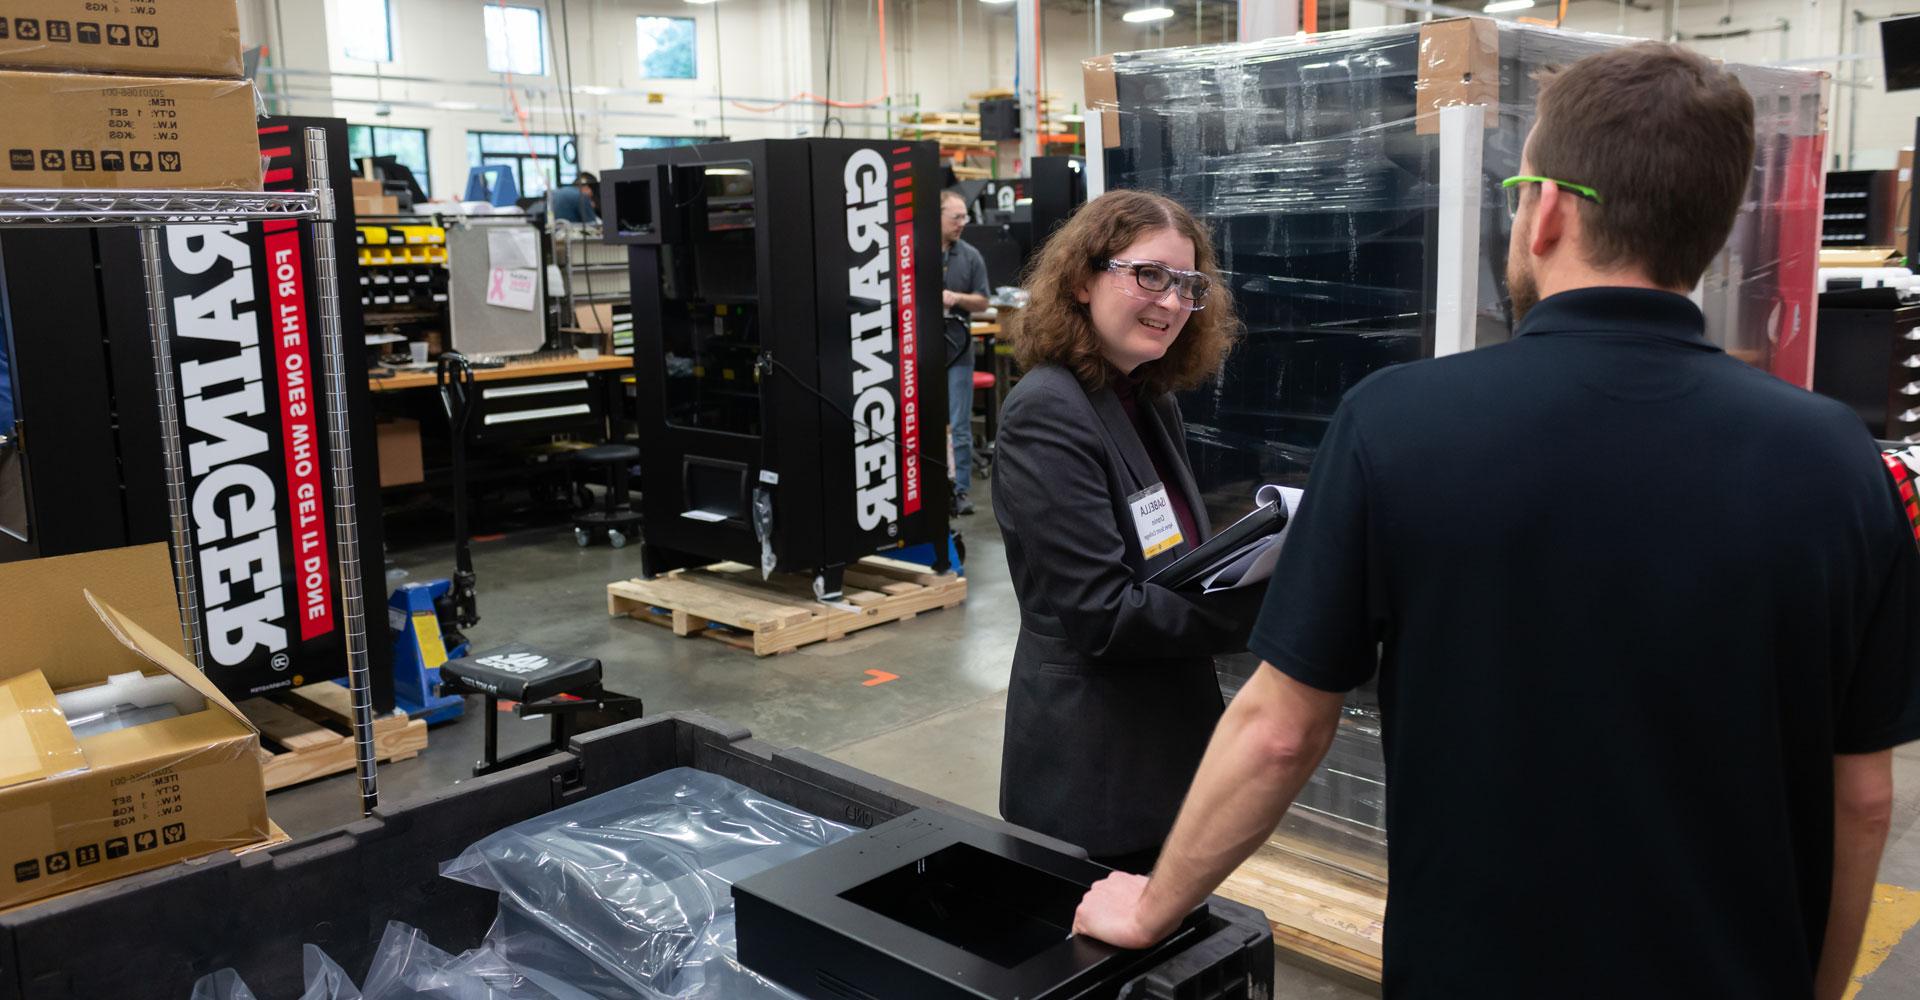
(1153, 520)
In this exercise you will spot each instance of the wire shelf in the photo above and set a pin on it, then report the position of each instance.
(51, 206)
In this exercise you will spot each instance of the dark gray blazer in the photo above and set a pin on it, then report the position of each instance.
(1113, 695)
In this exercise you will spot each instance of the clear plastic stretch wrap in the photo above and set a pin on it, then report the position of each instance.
(1318, 163)
(1357, 210)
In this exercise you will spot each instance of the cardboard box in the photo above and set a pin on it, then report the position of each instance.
(1903, 203)
(79, 130)
(376, 205)
(148, 795)
(399, 446)
(1103, 95)
(367, 187)
(184, 37)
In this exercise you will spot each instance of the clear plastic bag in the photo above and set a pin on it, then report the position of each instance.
(324, 978)
(639, 879)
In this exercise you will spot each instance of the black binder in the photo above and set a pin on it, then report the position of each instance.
(1216, 552)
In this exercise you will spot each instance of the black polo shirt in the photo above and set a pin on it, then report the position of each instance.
(1629, 597)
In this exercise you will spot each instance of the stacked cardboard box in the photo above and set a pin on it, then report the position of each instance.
(120, 95)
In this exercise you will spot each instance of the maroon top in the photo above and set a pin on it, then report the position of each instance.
(1128, 390)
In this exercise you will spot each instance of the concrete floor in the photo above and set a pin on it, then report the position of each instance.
(936, 728)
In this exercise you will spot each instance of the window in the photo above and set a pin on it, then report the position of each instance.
(408, 146)
(550, 159)
(666, 47)
(366, 29)
(516, 40)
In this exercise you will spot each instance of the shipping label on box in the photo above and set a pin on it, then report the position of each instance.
(185, 37)
(78, 130)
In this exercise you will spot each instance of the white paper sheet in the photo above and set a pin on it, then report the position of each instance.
(1254, 563)
(513, 246)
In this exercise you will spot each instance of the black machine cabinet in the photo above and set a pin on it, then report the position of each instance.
(1013, 218)
(791, 400)
(1869, 359)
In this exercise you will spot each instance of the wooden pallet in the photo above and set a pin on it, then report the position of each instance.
(313, 727)
(780, 615)
(1328, 915)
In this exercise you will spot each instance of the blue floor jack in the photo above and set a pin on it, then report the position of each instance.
(430, 620)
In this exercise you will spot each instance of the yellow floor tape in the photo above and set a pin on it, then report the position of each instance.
(1895, 911)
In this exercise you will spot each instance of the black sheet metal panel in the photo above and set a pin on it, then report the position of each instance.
(62, 377)
(153, 934)
(760, 285)
(935, 907)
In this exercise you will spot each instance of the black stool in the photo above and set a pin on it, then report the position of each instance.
(615, 518)
(564, 688)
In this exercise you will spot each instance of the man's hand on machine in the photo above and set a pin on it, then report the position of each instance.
(1113, 911)
(948, 297)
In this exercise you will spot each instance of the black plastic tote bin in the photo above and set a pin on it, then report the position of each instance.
(154, 934)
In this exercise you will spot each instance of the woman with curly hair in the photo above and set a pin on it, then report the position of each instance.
(1113, 693)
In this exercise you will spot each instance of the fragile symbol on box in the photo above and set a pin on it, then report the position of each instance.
(117, 34)
(59, 31)
(145, 840)
(170, 162)
(174, 833)
(57, 862)
(146, 37)
(89, 32)
(141, 160)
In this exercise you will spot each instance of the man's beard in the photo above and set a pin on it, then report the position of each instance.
(1521, 290)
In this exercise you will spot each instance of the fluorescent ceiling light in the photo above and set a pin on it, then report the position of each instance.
(593, 89)
(996, 3)
(1503, 6)
(710, 1)
(1146, 14)
(456, 105)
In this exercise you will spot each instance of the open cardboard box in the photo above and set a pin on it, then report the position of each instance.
(146, 796)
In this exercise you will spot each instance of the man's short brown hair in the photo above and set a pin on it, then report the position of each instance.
(1666, 137)
(1056, 327)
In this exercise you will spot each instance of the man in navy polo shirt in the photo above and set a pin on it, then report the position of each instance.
(1642, 615)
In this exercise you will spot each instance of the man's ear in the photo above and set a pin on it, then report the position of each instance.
(1550, 218)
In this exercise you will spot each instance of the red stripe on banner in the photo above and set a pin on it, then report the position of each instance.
(272, 129)
(278, 175)
(902, 151)
(904, 198)
(903, 182)
(906, 324)
(277, 152)
(299, 431)
(899, 168)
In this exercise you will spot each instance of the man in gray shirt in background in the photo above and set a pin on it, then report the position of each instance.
(966, 293)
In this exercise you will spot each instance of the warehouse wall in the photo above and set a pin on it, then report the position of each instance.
(445, 40)
(938, 52)
(1869, 124)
